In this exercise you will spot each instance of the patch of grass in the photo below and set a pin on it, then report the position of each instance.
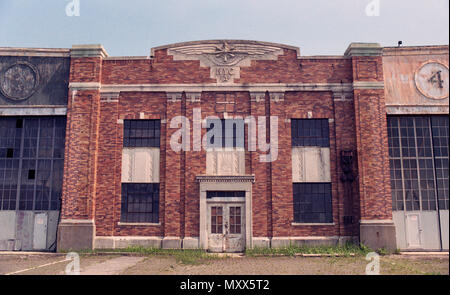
(344, 250)
(382, 251)
(184, 256)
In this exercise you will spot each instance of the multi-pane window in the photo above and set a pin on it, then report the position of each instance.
(235, 220)
(440, 148)
(418, 155)
(227, 133)
(312, 202)
(140, 202)
(140, 190)
(217, 220)
(310, 132)
(31, 162)
(311, 171)
(141, 133)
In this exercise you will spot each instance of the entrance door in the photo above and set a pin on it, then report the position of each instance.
(226, 227)
(413, 231)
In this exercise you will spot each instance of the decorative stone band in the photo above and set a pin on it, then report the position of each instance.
(376, 221)
(174, 96)
(257, 96)
(193, 96)
(109, 96)
(253, 87)
(33, 110)
(341, 91)
(86, 86)
(368, 85)
(417, 109)
(225, 178)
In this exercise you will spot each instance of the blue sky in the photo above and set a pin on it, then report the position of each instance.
(132, 27)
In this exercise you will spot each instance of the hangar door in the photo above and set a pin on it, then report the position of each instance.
(418, 154)
(31, 172)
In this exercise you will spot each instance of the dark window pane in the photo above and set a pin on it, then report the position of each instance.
(312, 202)
(141, 133)
(310, 132)
(140, 202)
(27, 151)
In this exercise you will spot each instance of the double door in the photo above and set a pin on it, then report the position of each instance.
(226, 227)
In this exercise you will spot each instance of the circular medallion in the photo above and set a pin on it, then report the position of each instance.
(19, 81)
(431, 80)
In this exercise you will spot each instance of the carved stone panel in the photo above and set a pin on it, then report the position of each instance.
(311, 164)
(19, 81)
(140, 165)
(225, 162)
(225, 57)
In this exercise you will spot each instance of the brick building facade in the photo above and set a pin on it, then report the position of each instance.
(133, 177)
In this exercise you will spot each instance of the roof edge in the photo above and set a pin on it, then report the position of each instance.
(221, 41)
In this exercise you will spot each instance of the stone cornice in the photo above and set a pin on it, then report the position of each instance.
(363, 49)
(221, 41)
(225, 178)
(40, 52)
(95, 50)
(415, 50)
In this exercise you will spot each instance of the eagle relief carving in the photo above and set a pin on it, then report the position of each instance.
(225, 57)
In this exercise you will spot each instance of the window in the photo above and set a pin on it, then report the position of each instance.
(418, 156)
(141, 133)
(310, 156)
(225, 194)
(235, 220)
(140, 190)
(310, 132)
(312, 203)
(31, 162)
(217, 220)
(225, 133)
(140, 202)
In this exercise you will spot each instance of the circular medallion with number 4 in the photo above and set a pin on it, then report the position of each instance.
(431, 80)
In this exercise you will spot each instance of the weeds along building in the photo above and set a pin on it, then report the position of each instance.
(224, 145)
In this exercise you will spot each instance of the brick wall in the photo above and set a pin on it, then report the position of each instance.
(92, 180)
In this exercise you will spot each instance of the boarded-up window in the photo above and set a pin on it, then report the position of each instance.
(140, 171)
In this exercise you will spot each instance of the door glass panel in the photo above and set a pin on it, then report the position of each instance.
(235, 220)
(216, 220)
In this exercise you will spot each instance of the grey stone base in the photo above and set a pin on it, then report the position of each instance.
(281, 242)
(171, 243)
(148, 242)
(191, 243)
(378, 234)
(75, 235)
(261, 242)
(125, 242)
